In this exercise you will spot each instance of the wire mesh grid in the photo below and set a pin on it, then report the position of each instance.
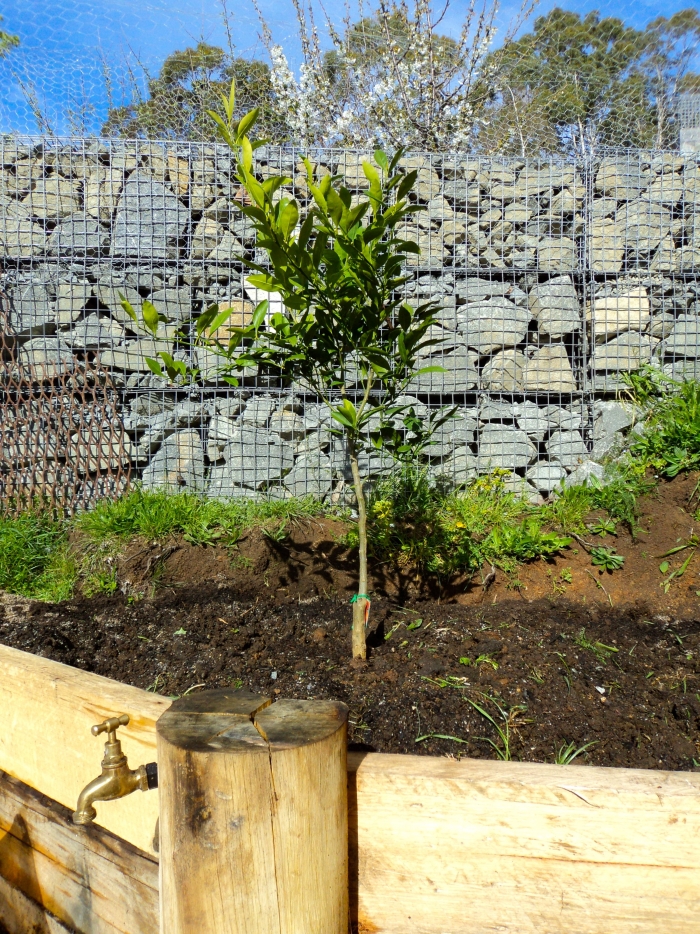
(554, 277)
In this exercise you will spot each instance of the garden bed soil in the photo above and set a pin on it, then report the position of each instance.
(570, 654)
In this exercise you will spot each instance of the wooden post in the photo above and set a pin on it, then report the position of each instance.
(253, 815)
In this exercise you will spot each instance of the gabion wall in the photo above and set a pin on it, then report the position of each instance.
(554, 278)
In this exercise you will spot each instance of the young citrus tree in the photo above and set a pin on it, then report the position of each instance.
(344, 332)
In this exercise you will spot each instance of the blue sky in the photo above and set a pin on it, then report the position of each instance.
(66, 45)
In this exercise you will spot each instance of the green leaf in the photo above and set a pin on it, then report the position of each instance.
(381, 159)
(664, 566)
(150, 316)
(262, 281)
(259, 314)
(246, 122)
(126, 305)
(371, 174)
(346, 414)
(397, 157)
(288, 219)
(246, 155)
(205, 319)
(222, 128)
(154, 366)
(406, 184)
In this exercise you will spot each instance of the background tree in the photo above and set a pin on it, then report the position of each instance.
(7, 41)
(575, 83)
(190, 82)
(391, 78)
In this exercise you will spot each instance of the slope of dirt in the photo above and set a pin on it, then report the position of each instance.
(566, 662)
(310, 562)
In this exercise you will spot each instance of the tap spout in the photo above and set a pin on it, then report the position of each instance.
(110, 785)
(117, 779)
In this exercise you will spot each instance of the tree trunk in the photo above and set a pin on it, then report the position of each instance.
(360, 606)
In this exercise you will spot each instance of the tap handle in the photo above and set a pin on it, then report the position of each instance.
(110, 726)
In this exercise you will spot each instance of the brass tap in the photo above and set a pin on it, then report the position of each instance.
(117, 779)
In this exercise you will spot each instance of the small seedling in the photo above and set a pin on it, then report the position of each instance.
(416, 624)
(537, 676)
(607, 559)
(508, 718)
(180, 632)
(567, 752)
(693, 543)
(480, 659)
(602, 527)
(601, 651)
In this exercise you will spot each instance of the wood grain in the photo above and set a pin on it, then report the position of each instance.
(253, 826)
(84, 878)
(472, 846)
(436, 846)
(46, 711)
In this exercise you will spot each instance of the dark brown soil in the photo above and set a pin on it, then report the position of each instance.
(618, 667)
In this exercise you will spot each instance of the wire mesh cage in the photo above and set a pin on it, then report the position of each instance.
(553, 277)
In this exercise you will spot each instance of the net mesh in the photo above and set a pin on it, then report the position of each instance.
(560, 233)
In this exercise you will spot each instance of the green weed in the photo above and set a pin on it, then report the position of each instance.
(504, 725)
(607, 559)
(567, 752)
(601, 651)
(35, 560)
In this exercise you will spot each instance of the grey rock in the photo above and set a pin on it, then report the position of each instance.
(131, 356)
(567, 448)
(150, 219)
(71, 299)
(532, 419)
(607, 446)
(493, 324)
(491, 410)
(258, 411)
(504, 446)
(610, 417)
(555, 306)
(287, 425)
(549, 370)
(109, 291)
(684, 339)
(31, 311)
(174, 304)
(626, 352)
(504, 371)
(460, 468)
(229, 407)
(460, 372)
(586, 472)
(545, 476)
(682, 369)
(79, 235)
(254, 457)
(220, 485)
(49, 354)
(479, 290)
(95, 333)
(310, 476)
(563, 418)
(522, 488)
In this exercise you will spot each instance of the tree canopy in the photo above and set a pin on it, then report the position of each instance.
(190, 83)
(580, 82)
(7, 41)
